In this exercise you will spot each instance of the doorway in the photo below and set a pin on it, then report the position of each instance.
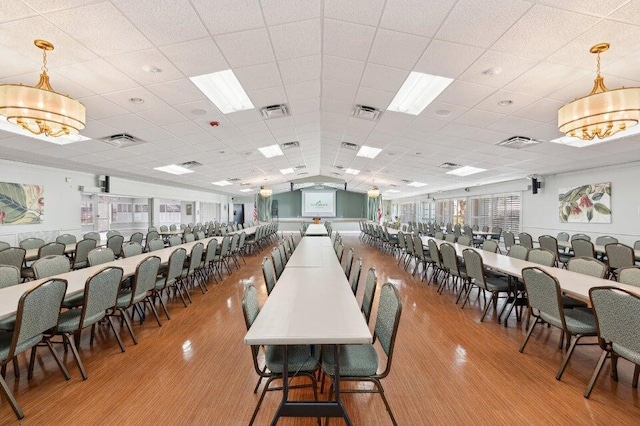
(238, 213)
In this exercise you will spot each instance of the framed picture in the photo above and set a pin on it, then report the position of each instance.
(585, 204)
(189, 209)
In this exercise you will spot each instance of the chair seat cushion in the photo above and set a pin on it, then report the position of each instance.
(124, 298)
(69, 321)
(578, 320)
(569, 302)
(300, 358)
(627, 353)
(79, 265)
(355, 360)
(5, 343)
(73, 301)
(497, 284)
(8, 324)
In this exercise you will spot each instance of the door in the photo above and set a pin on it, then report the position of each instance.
(102, 224)
(238, 213)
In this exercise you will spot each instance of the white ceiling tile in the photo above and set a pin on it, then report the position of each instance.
(14, 10)
(162, 116)
(342, 70)
(259, 76)
(246, 48)
(126, 123)
(296, 39)
(151, 134)
(13, 63)
(96, 130)
(415, 16)
(304, 106)
(300, 69)
(465, 94)
(98, 76)
(225, 16)
(545, 78)
(60, 84)
(283, 11)
(515, 125)
(194, 110)
(546, 132)
(196, 57)
(519, 101)
(479, 118)
(510, 68)
(373, 97)
(365, 12)
(396, 49)
(137, 64)
(383, 78)
(545, 110)
(447, 59)
(98, 107)
(96, 31)
(243, 117)
(338, 91)
(443, 111)
(425, 124)
(481, 23)
(347, 40)
(303, 90)
(266, 97)
(551, 32)
(123, 97)
(166, 22)
(177, 92)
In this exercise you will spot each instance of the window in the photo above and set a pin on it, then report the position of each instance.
(407, 212)
(428, 211)
(451, 211)
(86, 212)
(499, 210)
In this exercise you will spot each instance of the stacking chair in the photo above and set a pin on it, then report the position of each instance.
(453, 270)
(299, 363)
(583, 248)
(164, 228)
(49, 266)
(100, 293)
(83, 247)
(619, 256)
(233, 250)
(92, 236)
(242, 248)
(131, 248)
(31, 243)
(13, 256)
(277, 262)
(509, 240)
(340, 251)
(155, 245)
(360, 363)
(354, 278)
(348, 263)
(518, 297)
(208, 266)
(114, 242)
(100, 255)
(550, 243)
(543, 294)
(562, 236)
(269, 274)
(491, 246)
(439, 235)
(465, 240)
(606, 239)
(542, 257)
(436, 258)
(137, 237)
(525, 240)
(4, 245)
(587, 266)
(144, 282)
(617, 314)
(66, 239)
(221, 258)
(9, 276)
(38, 311)
(50, 249)
(175, 240)
(450, 238)
(191, 271)
(580, 237)
(111, 233)
(169, 279)
(477, 278)
(369, 293)
(629, 275)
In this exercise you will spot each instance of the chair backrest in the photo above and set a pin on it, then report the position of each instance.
(277, 261)
(32, 243)
(4, 245)
(387, 321)
(509, 239)
(172, 227)
(224, 247)
(131, 248)
(474, 267)
(418, 247)
(175, 265)
(464, 240)
(629, 275)
(490, 245)
(100, 255)
(145, 278)
(155, 244)
(619, 255)
(175, 240)
(115, 242)
(580, 237)
(38, 311)
(189, 237)
(542, 257)
(195, 257)
(9, 275)
(518, 251)
(100, 294)
(212, 247)
(468, 232)
(354, 278)
(51, 249)
(269, 274)
(548, 242)
(450, 238)
(137, 237)
(152, 228)
(111, 233)
(200, 235)
(369, 293)
(13, 256)
(587, 266)
(449, 258)
(543, 292)
(49, 266)
(66, 239)
(636, 245)
(434, 253)
(485, 228)
(439, 235)
(340, 252)
(92, 236)
(583, 248)
(562, 236)
(525, 240)
(164, 228)
(606, 239)
(349, 262)
(617, 313)
(152, 235)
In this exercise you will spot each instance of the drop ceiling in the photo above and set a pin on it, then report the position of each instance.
(321, 58)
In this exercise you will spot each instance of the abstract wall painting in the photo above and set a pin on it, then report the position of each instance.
(21, 204)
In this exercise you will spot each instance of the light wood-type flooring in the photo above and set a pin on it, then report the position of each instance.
(448, 368)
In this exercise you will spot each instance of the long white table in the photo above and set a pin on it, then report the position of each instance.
(310, 254)
(32, 254)
(310, 305)
(316, 230)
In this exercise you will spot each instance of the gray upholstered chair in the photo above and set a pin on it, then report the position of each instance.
(550, 243)
(617, 314)
(190, 273)
(131, 248)
(605, 239)
(477, 278)
(354, 278)
(222, 258)
(453, 270)
(93, 236)
(31, 243)
(155, 245)
(169, 279)
(509, 240)
(545, 304)
(9, 275)
(587, 266)
(439, 235)
(100, 255)
(114, 242)
(580, 237)
(188, 237)
(111, 233)
(175, 240)
(542, 257)
(340, 252)
(619, 256)
(491, 246)
(81, 257)
(369, 293)
(164, 228)
(49, 266)
(100, 293)
(518, 251)
(299, 361)
(137, 237)
(172, 227)
(562, 236)
(38, 311)
(4, 245)
(583, 248)
(465, 240)
(13, 256)
(277, 262)
(629, 275)
(360, 363)
(525, 240)
(269, 274)
(66, 239)
(436, 258)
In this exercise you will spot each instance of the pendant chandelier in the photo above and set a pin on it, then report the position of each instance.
(603, 112)
(40, 109)
(265, 192)
(373, 192)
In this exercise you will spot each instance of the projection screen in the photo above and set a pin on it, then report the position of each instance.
(319, 203)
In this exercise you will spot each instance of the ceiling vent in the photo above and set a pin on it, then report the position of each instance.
(449, 166)
(393, 185)
(349, 145)
(300, 167)
(289, 145)
(406, 180)
(339, 167)
(274, 111)
(518, 142)
(190, 164)
(233, 179)
(245, 184)
(366, 112)
(303, 173)
(122, 140)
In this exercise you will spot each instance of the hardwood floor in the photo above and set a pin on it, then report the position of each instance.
(448, 368)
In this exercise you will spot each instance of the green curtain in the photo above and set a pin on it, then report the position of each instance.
(264, 208)
(373, 206)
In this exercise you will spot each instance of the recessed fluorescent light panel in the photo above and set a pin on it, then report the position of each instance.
(246, 190)
(174, 169)
(391, 191)
(271, 151)
(368, 152)
(416, 184)
(222, 183)
(418, 91)
(579, 143)
(224, 90)
(287, 171)
(352, 171)
(466, 171)
(60, 140)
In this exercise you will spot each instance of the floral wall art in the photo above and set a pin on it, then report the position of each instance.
(21, 203)
(586, 204)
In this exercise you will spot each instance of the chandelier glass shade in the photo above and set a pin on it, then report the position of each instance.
(603, 112)
(265, 192)
(39, 109)
(373, 192)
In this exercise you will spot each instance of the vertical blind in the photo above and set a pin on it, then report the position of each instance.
(498, 210)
